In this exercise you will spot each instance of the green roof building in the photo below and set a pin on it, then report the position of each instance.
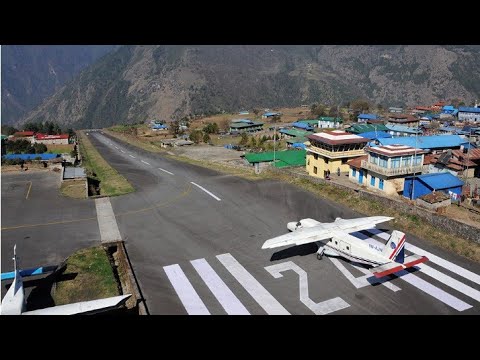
(245, 125)
(362, 128)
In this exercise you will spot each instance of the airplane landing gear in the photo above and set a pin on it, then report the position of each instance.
(320, 253)
(319, 256)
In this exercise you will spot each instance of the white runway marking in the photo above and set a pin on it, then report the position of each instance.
(220, 290)
(434, 291)
(448, 280)
(434, 258)
(168, 172)
(122, 151)
(187, 294)
(253, 287)
(321, 308)
(132, 156)
(208, 192)
(116, 147)
(425, 286)
(145, 162)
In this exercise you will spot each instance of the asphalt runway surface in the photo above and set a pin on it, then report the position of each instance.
(194, 238)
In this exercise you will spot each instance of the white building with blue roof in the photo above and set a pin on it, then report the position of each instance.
(471, 114)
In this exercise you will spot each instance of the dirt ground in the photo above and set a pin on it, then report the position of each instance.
(210, 153)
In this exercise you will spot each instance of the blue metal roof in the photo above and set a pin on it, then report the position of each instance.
(439, 181)
(367, 116)
(469, 109)
(448, 108)
(159, 126)
(375, 135)
(427, 142)
(403, 128)
(270, 114)
(31, 156)
(302, 125)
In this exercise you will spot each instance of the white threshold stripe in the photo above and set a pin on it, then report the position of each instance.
(208, 192)
(434, 291)
(253, 287)
(187, 294)
(220, 290)
(428, 288)
(448, 280)
(116, 147)
(132, 156)
(145, 162)
(168, 172)
(467, 274)
(122, 151)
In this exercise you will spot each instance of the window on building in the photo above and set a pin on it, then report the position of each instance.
(308, 161)
(344, 161)
(326, 161)
(380, 184)
(315, 156)
(372, 181)
(382, 161)
(395, 162)
(354, 172)
(314, 169)
(406, 160)
(336, 242)
(348, 247)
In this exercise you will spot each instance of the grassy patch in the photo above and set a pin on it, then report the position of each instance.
(74, 189)
(143, 143)
(59, 148)
(111, 182)
(93, 277)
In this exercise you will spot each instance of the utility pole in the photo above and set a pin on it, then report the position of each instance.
(413, 164)
(274, 142)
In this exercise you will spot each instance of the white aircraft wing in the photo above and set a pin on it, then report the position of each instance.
(82, 307)
(324, 231)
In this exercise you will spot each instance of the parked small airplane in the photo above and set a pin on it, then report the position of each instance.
(14, 301)
(333, 239)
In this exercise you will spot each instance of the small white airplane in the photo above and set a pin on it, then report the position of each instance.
(14, 303)
(333, 239)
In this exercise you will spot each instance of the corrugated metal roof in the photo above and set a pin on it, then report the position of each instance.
(426, 142)
(302, 125)
(469, 109)
(367, 116)
(439, 181)
(74, 172)
(330, 118)
(294, 132)
(310, 122)
(362, 128)
(31, 156)
(403, 128)
(375, 135)
(284, 158)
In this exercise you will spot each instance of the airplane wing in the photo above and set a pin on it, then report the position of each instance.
(324, 231)
(84, 307)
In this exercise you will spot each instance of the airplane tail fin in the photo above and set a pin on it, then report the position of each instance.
(395, 247)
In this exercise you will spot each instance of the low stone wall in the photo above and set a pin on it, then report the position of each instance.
(448, 224)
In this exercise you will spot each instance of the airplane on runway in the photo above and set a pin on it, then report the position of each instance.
(14, 301)
(333, 239)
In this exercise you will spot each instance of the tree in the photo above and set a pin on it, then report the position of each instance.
(360, 106)
(31, 126)
(253, 142)
(256, 111)
(196, 136)
(39, 148)
(206, 138)
(318, 110)
(175, 127)
(333, 111)
(244, 139)
(225, 125)
(275, 119)
(8, 130)
(211, 128)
